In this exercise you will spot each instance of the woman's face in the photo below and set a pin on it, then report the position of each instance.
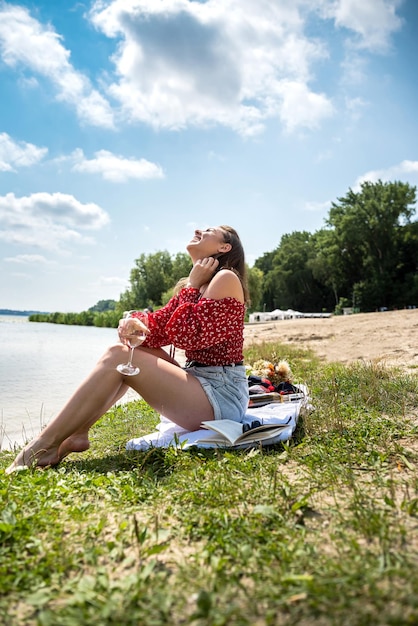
(208, 242)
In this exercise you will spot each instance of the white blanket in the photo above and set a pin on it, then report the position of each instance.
(167, 433)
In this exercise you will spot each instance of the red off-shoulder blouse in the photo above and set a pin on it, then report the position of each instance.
(209, 331)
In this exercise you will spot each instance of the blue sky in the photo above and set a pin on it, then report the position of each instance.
(125, 124)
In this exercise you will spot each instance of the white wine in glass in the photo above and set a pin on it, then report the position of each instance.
(133, 340)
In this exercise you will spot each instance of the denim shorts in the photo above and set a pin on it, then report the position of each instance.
(226, 388)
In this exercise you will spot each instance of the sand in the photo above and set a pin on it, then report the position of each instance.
(390, 336)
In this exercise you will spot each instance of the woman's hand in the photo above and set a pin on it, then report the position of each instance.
(130, 326)
(202, 272)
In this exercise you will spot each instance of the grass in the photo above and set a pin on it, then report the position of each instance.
(320, 530)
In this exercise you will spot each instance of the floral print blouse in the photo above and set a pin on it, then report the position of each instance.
(209, 331)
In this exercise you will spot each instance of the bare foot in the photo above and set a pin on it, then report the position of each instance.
(74, 443)
(34, 454)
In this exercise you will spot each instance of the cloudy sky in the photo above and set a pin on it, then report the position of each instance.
(125, 124)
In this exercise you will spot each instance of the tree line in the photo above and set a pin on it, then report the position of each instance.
(365, 256)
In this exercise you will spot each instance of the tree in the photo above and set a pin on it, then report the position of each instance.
(290, 281)
(152, 277)
(181, 267)
(325, 264)
(265, 263)
(104, 305)
(369, 243)
(255, 287)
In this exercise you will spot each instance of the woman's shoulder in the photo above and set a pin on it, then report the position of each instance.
(225, 284)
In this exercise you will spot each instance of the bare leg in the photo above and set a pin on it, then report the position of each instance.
(165, 386)
(82, 410)
(79, 441)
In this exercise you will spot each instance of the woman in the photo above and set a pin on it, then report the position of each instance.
(206, 319)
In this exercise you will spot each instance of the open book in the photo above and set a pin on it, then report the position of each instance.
(232, 433)
(280, 417)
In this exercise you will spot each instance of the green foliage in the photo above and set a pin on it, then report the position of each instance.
(152, 276)
(181, 267)
(318, 530)
(373, 234)
(105, 319)
(104, 305)
(255, 287)
(322, 263)
(343, 303)
(366, 255)
(291, 282)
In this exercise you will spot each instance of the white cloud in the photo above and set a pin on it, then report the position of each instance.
(318, 206)
(355, 107)
(367, 27)
(38, 48)
(302, 108)
(372, 21)
(115, 168)
(180, 63)
(29, 259)
(233, 62)
(407, 171)
(112, 280)
(49, 221)
(15, 154)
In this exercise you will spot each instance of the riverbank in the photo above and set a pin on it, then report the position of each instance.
(390, 337)
(321, 530)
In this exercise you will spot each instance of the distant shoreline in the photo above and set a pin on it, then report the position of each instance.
(21, 313)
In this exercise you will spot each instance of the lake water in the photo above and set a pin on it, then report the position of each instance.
(40, 367)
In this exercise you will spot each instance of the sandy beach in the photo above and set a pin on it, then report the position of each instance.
(391, 336)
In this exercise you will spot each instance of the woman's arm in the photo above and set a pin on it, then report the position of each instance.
(158, 320)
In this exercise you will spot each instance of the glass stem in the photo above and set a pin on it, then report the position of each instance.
(131, 356)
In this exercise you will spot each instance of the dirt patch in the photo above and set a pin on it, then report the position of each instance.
(391, 336)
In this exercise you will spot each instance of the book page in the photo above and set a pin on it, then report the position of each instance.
(231, 431)
(228, 428)
(212, 437)
(250, 436)
(261, 433)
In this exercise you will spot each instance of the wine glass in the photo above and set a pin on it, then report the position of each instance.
(133, 338)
